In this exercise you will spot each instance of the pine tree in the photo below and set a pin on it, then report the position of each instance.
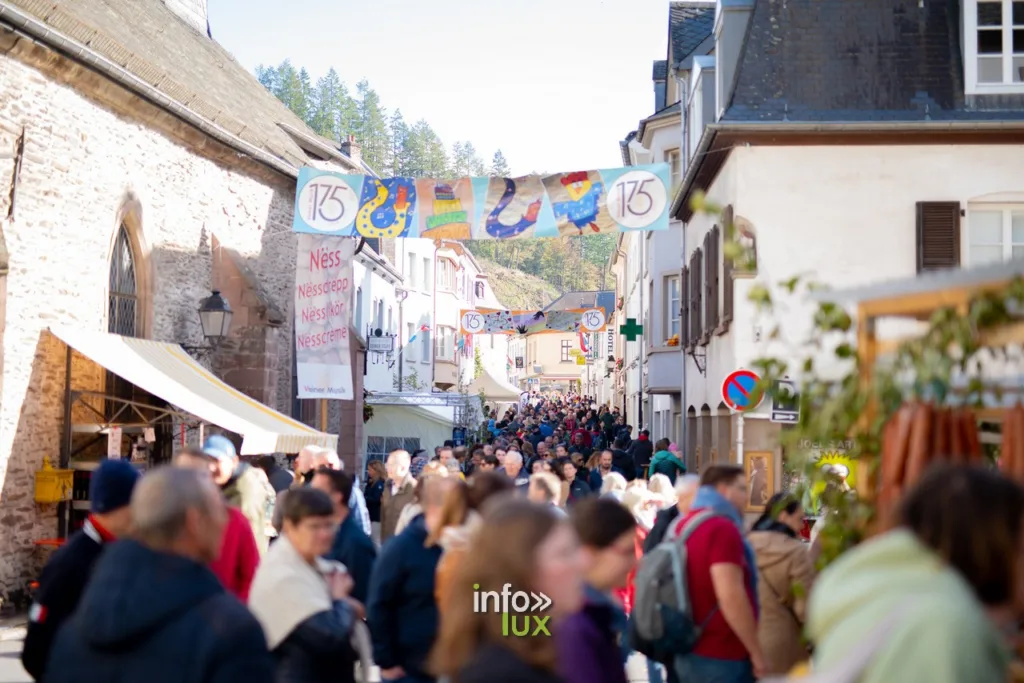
(290, 88)
(267, 76)
(399, 135)
(374, 135)
(415, 150)
(328, 100)
(304, 105)
(460, 161)
(499, 166)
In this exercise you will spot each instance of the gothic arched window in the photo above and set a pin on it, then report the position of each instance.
(123, 297)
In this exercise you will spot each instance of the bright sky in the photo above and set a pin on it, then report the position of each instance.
(554, 84)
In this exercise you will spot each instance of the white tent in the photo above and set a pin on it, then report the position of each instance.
(494, 389)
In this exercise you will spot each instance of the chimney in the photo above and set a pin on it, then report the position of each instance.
(352, 150)
(192, 12)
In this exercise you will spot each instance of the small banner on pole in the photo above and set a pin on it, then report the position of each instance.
(558, 205)
(323, 296)
(489, 321)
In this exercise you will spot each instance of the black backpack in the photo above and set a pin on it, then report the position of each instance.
(661, 626)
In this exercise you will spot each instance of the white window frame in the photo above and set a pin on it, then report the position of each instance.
(1007, 243)
(426, 274)
(674, 159)
(426, 344)
(565, 351)
(412, 352)
(446, 343)
(672, 318)
(446, 274)
(971, 85)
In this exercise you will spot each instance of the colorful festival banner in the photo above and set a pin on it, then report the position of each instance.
(323, 296)
(490, 321)
(560, 205)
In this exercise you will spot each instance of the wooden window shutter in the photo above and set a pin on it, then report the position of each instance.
(727, 266)
(684, 307)
(709, 294)
(695, 297)
(938, 235)
(716, 274)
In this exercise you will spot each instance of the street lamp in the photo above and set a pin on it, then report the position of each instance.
(215, 317)
(610, 366)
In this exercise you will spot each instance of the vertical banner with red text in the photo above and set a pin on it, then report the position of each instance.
(323, 315)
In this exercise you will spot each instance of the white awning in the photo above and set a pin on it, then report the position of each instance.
(165, 370)
(494, 389)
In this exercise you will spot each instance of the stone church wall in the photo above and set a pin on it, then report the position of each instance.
(85, 169)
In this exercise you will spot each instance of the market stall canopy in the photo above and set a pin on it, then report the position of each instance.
(165, 370)
(494, 389)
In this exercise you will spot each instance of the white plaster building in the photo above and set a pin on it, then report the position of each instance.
(415, 260)
(140, 167)
(853, 171)
(652, 285)
(376, 314)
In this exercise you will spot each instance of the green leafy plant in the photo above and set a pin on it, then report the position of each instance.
(942, 362)
(478, 363)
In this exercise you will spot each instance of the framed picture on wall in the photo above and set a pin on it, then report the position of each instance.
(760, 468)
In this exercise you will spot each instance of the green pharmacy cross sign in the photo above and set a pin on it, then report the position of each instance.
(631, 329)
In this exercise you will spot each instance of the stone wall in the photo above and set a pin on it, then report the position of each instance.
(85, 169)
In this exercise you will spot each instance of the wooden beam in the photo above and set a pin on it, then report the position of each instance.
(1004, 335)
(867, 354)
(921, 305)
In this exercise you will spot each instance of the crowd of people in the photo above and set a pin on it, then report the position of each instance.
(212, 570)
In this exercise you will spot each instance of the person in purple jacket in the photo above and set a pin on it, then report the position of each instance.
(589, 642)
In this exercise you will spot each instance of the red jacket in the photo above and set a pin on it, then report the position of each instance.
(626, 593)
(239, 556)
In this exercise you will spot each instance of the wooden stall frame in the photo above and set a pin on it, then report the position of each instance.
(920, 305)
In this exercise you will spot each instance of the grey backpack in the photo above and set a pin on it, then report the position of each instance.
(661, 625)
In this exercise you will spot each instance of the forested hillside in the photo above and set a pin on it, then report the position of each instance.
(393, 147)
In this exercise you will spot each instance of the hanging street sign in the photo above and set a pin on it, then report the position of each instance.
(740, 392)
(785, 402)
(631, 330)
(382, 344)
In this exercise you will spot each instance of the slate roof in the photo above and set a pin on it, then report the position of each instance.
(571, 300)
(148, 40)
(670, 110)
(858, 61)
(660, 72)
(624, 148)
(689, 25)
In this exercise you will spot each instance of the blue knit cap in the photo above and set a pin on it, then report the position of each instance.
(111, 486)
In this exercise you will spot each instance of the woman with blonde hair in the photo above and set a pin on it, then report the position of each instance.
(613, 485)
(414, 509)
(452, 532)
(663, 490)
(525, 546)
(641, 504)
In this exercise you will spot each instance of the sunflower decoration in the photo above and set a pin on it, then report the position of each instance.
(837, 467)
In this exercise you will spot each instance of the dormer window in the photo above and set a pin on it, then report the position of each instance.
(994, 46)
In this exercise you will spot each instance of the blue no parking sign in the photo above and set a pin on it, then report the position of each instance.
(740, 391)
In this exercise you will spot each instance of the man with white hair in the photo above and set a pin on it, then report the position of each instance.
(398, 492)
(356, 501)
(686, 490)
(514, 470)
(153, 610)
(544, 489)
